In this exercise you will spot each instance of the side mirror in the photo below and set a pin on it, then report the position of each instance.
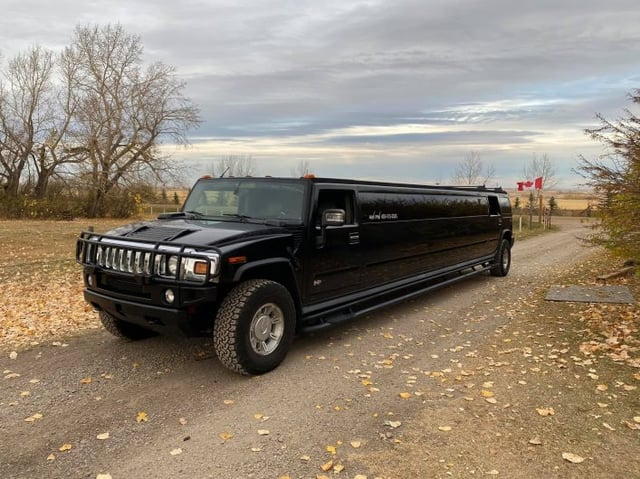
(333, 217)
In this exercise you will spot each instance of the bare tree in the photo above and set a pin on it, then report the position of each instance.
(27, 113)
(124, 111)
(302, 168)
(472, 171)
(234, 165)
(541, 166)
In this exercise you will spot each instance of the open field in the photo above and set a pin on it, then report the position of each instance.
(41, 294)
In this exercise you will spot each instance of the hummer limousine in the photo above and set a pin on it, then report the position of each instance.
(253, 261)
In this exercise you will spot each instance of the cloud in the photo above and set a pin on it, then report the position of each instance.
(354, 86)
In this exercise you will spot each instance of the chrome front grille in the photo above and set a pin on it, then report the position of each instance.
(159, 260)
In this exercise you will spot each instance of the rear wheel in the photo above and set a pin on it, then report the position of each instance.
(122, 329)
(254, 327)
(503, 259)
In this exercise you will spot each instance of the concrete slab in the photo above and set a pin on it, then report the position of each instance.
(590, 294)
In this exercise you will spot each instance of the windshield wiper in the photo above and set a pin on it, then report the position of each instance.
(181, 214)
(239, 216)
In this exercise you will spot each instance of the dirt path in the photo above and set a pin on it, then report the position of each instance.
(449, 385)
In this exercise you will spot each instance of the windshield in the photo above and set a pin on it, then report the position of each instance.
(247, 199)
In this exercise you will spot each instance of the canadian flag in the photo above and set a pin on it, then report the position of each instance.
(537, 184)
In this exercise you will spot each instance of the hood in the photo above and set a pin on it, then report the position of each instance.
(197, 232)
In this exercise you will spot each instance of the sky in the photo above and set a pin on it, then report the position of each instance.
(394, 90)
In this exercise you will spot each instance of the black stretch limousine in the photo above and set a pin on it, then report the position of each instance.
(253, 260)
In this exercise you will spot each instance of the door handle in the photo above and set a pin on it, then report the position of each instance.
(354, 237)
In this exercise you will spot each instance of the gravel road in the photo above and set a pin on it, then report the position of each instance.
(94, 405)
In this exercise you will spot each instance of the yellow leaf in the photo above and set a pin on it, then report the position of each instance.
(225, 435)
(86, 380)
(103, 476)
(142, 417)
(491, 400)
(51, 457)
(602, 387)
(263, 432)
(405, 395)
(573, 458)
(176, 451)
(103, 436)
(487, 394)
(331, 449)
(544, 412)
(356, 444)
(327, 466)
(444, 428)
(228, 402)
(182, 421)
(65, 447)
(338, 468)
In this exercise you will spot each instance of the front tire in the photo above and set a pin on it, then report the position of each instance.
(502, 263)
(254, 327)
(122, 329)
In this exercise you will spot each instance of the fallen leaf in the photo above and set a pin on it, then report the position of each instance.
(263, 432)
(228, 402)
(103, 476)
(305, 458)
(572, 458)
(491, 400)
(405, 395)
(444, 428)
(338, 468)
(487, 394)
(65, 447)
(182, 421)
(256, 449)
(331, 449)
(176, 451)
(34, 417)
(356, 444)
(359, 476)
(86, 381)
(608, 426)
(225, 435)
(544, 412)
(25, 393)
(51, 457)
(602, 387)
(393, 424)
(13, 355)
(327, 466)
(103, 436)
(536, 441)
(142, 417)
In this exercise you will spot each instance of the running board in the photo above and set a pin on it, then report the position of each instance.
(351, 313)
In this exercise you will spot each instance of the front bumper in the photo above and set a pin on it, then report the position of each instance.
(192, 312)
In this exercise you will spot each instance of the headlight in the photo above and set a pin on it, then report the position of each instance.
(195, 269)
(172, 265)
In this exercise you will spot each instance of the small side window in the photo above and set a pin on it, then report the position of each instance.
(494, 206)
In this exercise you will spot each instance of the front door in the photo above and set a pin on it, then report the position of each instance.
(333, 264)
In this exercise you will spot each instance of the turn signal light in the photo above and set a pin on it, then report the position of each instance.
(200, 267)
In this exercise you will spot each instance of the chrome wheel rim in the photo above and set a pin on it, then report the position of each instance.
(506, 258)
(267, 329)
